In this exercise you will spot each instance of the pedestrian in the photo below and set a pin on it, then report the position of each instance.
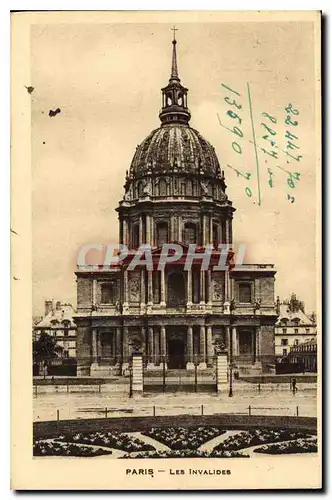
(294, 385)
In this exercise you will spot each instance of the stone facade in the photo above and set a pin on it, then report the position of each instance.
(175, 192)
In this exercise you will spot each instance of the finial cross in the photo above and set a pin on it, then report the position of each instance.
(174, 29)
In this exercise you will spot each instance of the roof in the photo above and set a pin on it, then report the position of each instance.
(175, 148)
(292, 316)
(56, 318)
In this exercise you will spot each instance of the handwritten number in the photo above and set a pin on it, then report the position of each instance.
(270, 117)
(234, 115)
(288, 121)
(270, 130)
(248, 192)
(237, 148)
(232, 103)
(289, 109)
(228, 88)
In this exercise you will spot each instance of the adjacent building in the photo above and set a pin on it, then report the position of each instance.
(175, 192)
(293, 327)
(59, 324)
(305, 354)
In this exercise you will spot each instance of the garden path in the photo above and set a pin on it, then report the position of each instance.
(149, 440)
(209, 445)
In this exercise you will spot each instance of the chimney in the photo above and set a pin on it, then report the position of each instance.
(48, 307)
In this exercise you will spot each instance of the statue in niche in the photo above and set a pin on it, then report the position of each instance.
(205, 189)
(147, 190)
(257, 305)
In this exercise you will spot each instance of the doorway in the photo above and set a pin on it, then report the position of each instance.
(176, 354)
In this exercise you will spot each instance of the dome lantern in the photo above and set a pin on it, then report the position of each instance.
(174, 96)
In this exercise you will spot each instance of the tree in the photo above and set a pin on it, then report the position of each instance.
(44, 349)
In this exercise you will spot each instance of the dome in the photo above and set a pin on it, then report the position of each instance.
(175, 148)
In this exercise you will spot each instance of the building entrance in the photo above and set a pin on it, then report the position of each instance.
(176, 354)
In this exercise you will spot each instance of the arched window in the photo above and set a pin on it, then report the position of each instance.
(162, 187)
(135, 236)
(215, 235)
(176, 290)
(190, 233)
(139, 189)
(189, 188)
(162, 233)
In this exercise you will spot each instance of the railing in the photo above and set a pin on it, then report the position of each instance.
(139, 410)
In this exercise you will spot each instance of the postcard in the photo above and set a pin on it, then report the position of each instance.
(166, 250)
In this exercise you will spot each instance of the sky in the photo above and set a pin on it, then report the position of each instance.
(106, 80)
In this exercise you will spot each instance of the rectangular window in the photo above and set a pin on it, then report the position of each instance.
(296, 330)
(307, 330)
(284, 352)
(284, 330)
(245, 293)
(296, 342)
(108, 293)
(284, 341)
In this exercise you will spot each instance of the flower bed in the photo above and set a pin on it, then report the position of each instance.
(296, 446)
(187, 454)
(179, 438)
(58, 449)
(117, 440)
(245, 439)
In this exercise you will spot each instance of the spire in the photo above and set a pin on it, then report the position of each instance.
(174, 106)
(174, 73)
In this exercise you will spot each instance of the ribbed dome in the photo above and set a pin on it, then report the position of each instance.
(175, 148)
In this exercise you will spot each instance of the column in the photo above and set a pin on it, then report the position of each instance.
(125, 291)
(150, 289)
(253, 346)
(125, 348)
(141, 236)
(94, 292)
(125, 231)
(113, 358)
(151, 231)
(142, 290)
(190, 348)
(230, 231)
(94, 345)
(209, 346)
(211, 230)
(234, 341)
(179, 228)
(162, 288)
(204, 231)
(202, 287)
(209, 287)
(118, 345)
(162, 340)
(228, 340)
(150, 346)
(227, 230)
(227, 297)
(202, 347)
(189, 288)
(99, 352)
(147, 229)
(156, 344)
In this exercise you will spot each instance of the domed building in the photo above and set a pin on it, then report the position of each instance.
(175, 193)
